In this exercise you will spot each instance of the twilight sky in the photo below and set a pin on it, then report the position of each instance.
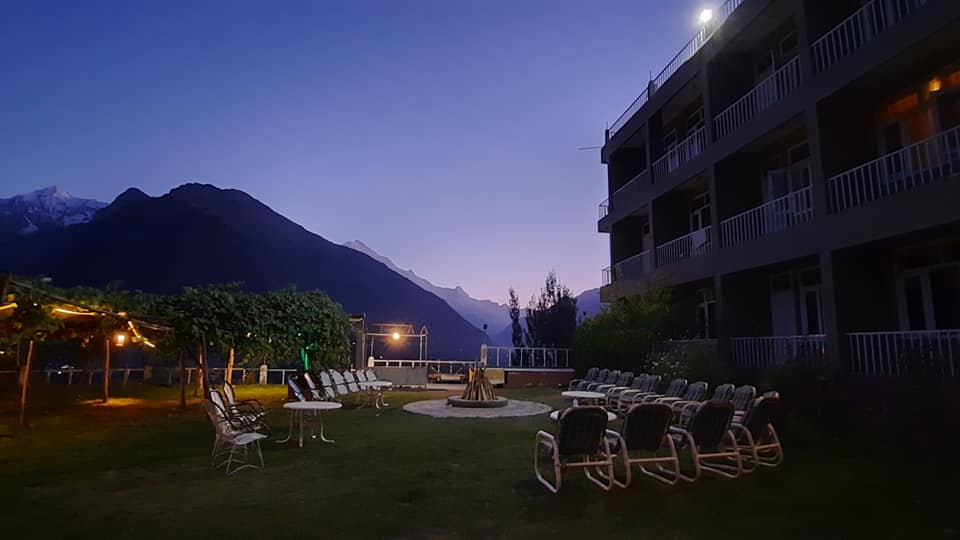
(442, 133)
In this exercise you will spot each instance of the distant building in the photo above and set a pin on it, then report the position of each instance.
(795, 171)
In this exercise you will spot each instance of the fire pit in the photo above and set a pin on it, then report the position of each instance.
(479, 393)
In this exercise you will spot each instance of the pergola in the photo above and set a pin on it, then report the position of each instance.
(398, 332)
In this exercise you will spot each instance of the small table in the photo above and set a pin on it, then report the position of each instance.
(555, 416)
(300, 407)
(577, 395)
(378, 387)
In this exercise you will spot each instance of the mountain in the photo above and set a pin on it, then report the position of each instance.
(477, 312)
(200, 234)
(44, 209)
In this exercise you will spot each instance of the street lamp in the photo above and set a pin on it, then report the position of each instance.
(120, 339)
(396, 336)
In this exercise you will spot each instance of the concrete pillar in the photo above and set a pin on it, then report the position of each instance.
(835, 345)
(263, 374)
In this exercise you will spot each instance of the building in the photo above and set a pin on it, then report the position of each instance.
(795, 169)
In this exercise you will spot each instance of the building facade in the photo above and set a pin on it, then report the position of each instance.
(796, 171)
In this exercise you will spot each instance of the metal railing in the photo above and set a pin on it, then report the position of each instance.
(687, 246)
(686, 53)
(606, 277)
(773, 351)
(156, 374)
(688, 149)
(857, 29)
(764, 95)
(636, 265)
(925, 352)
(920, 163)
(774, 216)
(604, 208)
(528, 357)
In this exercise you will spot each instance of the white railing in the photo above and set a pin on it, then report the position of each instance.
(932, 352)
(774, 216)
(607, 276)
(859, 28)
(611, 202)
(920, 163)
(497, 357)
(764, 95)
(162, 375)
(687, 246)
(604, 208)
(772, 351)
(690, 148)
(634, 266)
(686, 53)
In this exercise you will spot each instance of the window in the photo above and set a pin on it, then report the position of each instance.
(764, 66)
(700, 212)
(695, 121)
(669, 140)
(789, 46)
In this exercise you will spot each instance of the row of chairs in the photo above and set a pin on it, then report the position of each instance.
(335, 385)
(717, 442)
(239, 426)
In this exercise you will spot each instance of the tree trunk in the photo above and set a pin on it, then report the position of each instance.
(228, 376)
(25, 386)
(183, 383)
(106, 369)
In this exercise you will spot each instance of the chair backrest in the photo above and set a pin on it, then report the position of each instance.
(314, 391)
(327, 385)
(591, 374)
(760, 414)
(723, 392)
(371, 375)
(218, 417)
(295, 389)
(611, 377)
(743, 396)
(625, 378)
(217, 398)
(351, 381)
(696, 391)
(361, 376)
(601, 375)
(581, 430)
(339, 383)
(639, 381)
(646, 425)
(651, 384)
(711, 423)
(676, 388)
(229, 394)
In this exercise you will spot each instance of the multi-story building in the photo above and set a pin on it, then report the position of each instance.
(795, 168)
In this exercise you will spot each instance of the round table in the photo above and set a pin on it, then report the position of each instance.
(378, 387)
(555, 416)
(317, 407)
(577, 395)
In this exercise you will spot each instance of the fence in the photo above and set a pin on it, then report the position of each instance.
(158, 375)
(857, 29)
(688, 149)
(689, 245)
(774, 216)
(927, 161)
(773, 351)
(931, 352)
(763, 96)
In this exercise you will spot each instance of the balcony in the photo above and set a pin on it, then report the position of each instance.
(686, 53)
(932, 352)
(764, 95)
(924, 162)
(774, 351)
(631, 267)
(687, 246)
(856, 30)
(604, 208)
(690, 148)
(772, 217)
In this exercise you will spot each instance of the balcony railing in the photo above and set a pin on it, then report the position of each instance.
(634, 266)
(924, 162)
(687, 246)
(607, 277)
(691, 147)
(604, 208)
(859, 28)
(772, 351)
(686, 53)
(764, 95)
(774, 216)
(933, 352)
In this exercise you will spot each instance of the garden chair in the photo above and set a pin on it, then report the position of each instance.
(601, 375)
(695, 393)
(711, 443)
(250, 406)
(580, 442)
(250, 418)
(676, 388)
(326, 382)
(625, 379)
(614, 393)
(351, 382)
(590, 376)
(742, 398)
(684, 409)
(295, 390)
(339, 383)
(645, 385)
(374, 387)
(230, 435)
(756, 438)
(611, 379)
(645, 435)
(319, 393)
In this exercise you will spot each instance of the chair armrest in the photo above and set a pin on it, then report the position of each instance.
(602, 388)
(615, 391)
(667, 400)
(651, 397)
(682, 404)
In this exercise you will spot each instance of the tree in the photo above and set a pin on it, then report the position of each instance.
(551, 316)
(515, 327)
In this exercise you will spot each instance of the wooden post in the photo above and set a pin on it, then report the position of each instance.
(25, 385)
(106, 369)
(228, 376)
(263, 374)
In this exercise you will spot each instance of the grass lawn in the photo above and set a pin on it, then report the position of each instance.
(140, 469)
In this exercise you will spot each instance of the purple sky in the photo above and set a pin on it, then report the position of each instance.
(442, 133)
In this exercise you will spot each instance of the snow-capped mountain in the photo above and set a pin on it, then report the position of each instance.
(46, 208)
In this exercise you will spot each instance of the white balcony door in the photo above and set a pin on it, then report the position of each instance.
(783, 312)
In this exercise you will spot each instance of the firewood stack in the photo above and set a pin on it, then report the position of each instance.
(479, 387)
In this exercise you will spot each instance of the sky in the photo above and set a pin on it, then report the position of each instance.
(442, 133)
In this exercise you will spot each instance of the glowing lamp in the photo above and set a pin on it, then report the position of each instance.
(934, 85)
(396, 335)
(706, 15)
(120, 339)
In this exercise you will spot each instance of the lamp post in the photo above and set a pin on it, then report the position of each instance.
(119, 339)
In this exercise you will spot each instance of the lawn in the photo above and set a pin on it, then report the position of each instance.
(140, 469)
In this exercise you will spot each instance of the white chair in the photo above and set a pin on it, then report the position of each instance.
(580, 442)
(232, 440)
(756, 438)
(248, 417)
(242, 405)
